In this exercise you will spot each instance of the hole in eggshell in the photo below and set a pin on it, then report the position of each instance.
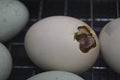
(85, 39)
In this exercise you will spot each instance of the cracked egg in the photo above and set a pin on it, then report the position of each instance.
(62, 43)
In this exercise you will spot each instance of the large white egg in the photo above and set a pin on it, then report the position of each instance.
(5, 63)
(13, 18)
(110, 44)
(56, 75)
(53, 44)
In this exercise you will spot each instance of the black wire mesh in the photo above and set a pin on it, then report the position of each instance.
(94, 12)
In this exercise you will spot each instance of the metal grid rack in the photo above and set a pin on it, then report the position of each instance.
(94, 12)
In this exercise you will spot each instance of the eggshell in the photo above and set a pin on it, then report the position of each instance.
(110, 44)
(56, 75)
(13, 18)
(50, 44)
(5, 63)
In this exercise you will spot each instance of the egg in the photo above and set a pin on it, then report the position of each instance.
(110, 44)
(56, 75)
(13, 18)
(62, 43)
(5, 62)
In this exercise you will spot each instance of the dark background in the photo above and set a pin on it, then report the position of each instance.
(94, 12)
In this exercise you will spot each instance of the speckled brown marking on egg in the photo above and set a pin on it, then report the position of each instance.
(85, 39)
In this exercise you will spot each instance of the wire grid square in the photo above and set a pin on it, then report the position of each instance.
(94, 12)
